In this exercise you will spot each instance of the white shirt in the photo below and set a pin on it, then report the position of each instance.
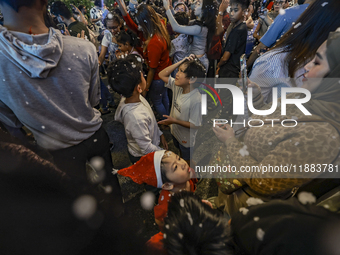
(185, 107)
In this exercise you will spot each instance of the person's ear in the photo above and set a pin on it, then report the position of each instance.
(139, 88)
(167, 186)
(192, 80)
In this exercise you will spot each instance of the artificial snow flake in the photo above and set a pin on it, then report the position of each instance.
(108, 189)
(190, 219)
(244, 210)
(97, 162)
(297, 25)
(324, 4)
(256, 218)
(200, 225)
(282, 12)
(167, 226)
(180, 235)
(297, 143)
(260, 234)
(181, 202)
(164, 236)
(84, 207)
(306, 198)
(244, 151)
(147, 200)
(270, 143)
(95, 140)
(69, 69)
(43, 127)
(254, 201)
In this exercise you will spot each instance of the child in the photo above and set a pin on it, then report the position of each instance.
(141, 129)
(229, 65)
(165, 170)
(185, 116)
(127, 42)
(193, 227)
(180, 45)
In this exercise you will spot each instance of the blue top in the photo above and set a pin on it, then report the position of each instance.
(282, 24)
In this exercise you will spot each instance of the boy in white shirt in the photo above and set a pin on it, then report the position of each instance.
(185, 116)
(141, 129)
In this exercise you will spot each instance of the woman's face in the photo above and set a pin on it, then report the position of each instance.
(316, 70)
(198, 8)
(113, 26)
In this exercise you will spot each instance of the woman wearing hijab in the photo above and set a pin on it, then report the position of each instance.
(313, 140)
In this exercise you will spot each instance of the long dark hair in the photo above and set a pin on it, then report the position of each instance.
(312, 28)
(209, 12)
(151, 24)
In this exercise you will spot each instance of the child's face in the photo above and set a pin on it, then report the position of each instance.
(176, 169)
(236, 12)
(113, 26)
(181, 79)
(124, 47)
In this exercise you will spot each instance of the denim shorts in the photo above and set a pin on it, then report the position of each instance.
(185, 152)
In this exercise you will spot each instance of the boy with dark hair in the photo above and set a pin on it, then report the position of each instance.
(193, 227)
(141, 129)
(64, 15)
(236, 40)
(185, 116)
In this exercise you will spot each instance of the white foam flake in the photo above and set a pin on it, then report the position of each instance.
(297, 25)
(243, 210)
(97, 163)
(306, 198)
(244, 151)
(164, 236)
(181, 202)
(167, 226)
(108, 189)
(24, 57)
(190, 219)
(200, 225)
(139, 59)
(260, 234)
(43, 127)
(254, 201)
(95, 140)
(27, 102)
(69, 69)
(256, 218)
(4, 79)
(147, 200)
(324, 4)
(270, 143)
(282, 12)
(297, 143)
(84, 207)
(180, 235)
(168, 154)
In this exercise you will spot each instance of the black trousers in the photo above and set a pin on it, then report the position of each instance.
(72, 160)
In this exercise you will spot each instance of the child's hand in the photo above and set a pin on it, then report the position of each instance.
(223, 6)
(166, 4)
(208, 203)
(224, 132)
(168, 121)
(164, 142)
(191, 57)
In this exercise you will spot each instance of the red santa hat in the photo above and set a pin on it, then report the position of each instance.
(146, 170)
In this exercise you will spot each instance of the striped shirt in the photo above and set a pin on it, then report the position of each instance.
(270, 70)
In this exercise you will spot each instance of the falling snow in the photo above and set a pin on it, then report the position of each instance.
(260, 234)
(306, 198)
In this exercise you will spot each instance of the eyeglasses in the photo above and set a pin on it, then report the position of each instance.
(112, 28)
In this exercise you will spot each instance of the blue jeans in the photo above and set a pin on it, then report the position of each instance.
(105, 96)
(159, 97)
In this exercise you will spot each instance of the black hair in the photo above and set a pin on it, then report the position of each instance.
(124, 75)
(60, 8)
(98, 3)
(113, 17)
(81, 7)
(193, 227)
(16, 4)
(209, 12)
(163, 174)
(182, 18)
(194, 68)
(127, 36)
(244, 3)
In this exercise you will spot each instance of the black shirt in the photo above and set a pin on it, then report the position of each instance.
(236, 45)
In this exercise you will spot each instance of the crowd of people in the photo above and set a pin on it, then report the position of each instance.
(58, 181)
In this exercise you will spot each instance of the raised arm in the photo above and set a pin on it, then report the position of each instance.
(219, 24)
(188, 30)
